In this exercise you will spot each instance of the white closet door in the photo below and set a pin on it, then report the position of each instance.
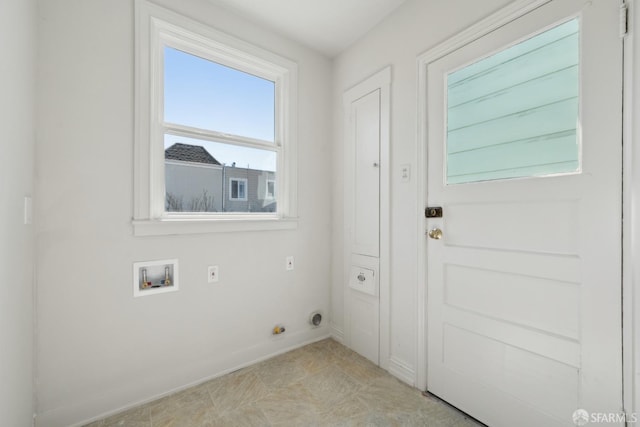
(365, 127)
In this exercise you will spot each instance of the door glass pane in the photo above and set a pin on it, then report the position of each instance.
(515, 114)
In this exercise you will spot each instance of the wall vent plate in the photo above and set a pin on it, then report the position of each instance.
(315, 319)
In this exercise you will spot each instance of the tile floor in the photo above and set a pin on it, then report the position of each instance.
(322, 384)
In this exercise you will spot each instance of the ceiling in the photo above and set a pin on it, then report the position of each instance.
(329, 26)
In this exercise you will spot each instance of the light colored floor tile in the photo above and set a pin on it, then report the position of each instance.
(402, 400)
(377, 419)
(322, 384)
(314, 360)
(280, 372)
(344, 411)
(233, 391)
(167, 406)
(132, 418)
(129, 423)
(196, 414)
(332, 385)
(248, 416)
(361, 369)
(293, 404)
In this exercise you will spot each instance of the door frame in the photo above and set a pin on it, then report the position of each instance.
(381, 80)
(631, 210)
(630, 179)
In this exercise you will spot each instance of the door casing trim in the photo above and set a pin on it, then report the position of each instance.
(630, 210)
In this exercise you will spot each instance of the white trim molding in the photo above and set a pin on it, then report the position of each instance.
(336, 333)
(403, 371)
(199, 225)
(631, 214)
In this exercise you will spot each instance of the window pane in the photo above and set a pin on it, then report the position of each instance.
(205, 176)
(203, 94)
(271, 189)
(515, 113)
(241, 190)
(238, 188)
(234, 189)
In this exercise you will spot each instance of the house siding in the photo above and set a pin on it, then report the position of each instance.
(256, 190)
(192, 186)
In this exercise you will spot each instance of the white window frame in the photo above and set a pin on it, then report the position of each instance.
(238, 180)
(156, 28)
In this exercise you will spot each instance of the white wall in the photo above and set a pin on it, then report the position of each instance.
(99, 349)
(17, 99)
(412, 29)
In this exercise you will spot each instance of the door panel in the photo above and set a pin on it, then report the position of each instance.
(474, 290)
(467, 225)
(524, 292)
(365, 114)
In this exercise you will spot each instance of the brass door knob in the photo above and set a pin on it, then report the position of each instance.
(435, 233)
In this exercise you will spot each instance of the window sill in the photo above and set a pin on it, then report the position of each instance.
(181, 226)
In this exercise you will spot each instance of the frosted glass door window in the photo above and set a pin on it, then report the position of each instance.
(515, 114)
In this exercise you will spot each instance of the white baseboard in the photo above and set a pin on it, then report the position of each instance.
(402, 371)
(337, 333)
(82, 413)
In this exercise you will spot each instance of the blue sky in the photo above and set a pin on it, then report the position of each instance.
(204, 94)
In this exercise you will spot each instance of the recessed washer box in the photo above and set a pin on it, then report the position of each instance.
(155, 277)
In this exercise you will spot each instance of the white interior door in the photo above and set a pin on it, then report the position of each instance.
(524, 157)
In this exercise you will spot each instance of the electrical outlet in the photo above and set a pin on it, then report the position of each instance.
(290, 263)
(405, 173)
(213, 274)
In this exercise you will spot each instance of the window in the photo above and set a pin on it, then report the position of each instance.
(215, 129)
(515, 114)
(271, 189)
(238, 189)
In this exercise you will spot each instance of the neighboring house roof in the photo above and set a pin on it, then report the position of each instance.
(189, 153)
